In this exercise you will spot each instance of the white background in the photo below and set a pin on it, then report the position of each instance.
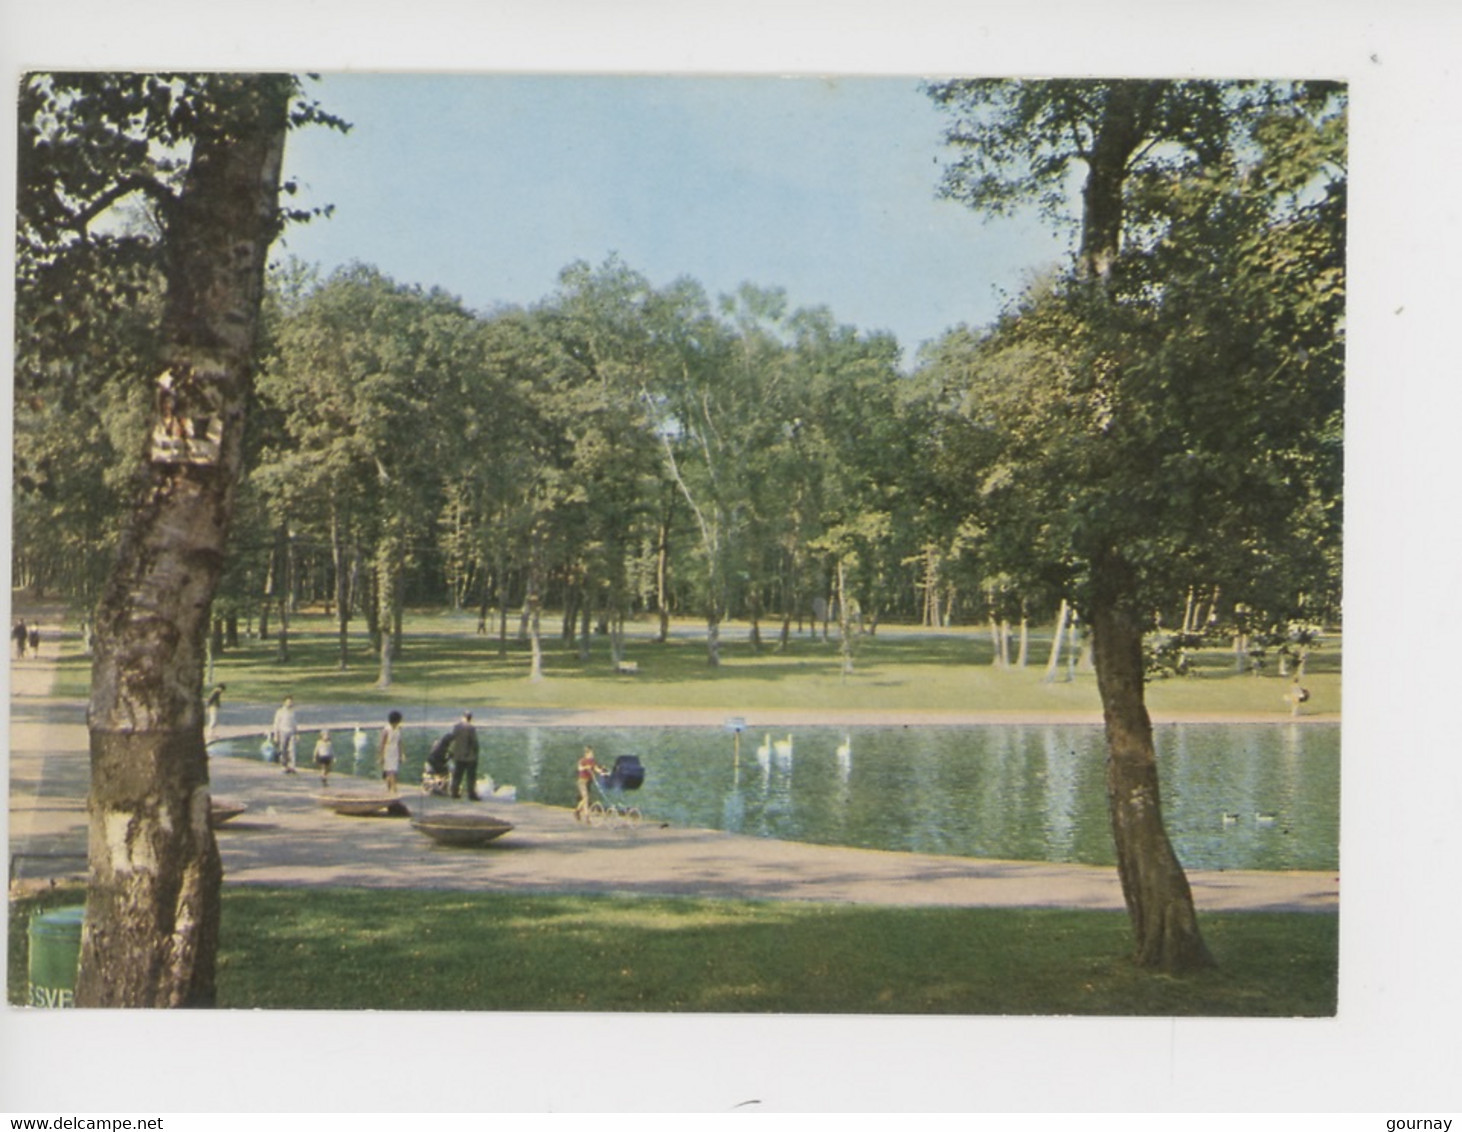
(1393, 1049)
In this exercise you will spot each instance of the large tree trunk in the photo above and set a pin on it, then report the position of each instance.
(386, 570)
(1159, 901)
(152, 909)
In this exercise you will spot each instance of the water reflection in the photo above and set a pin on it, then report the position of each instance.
(1016, 792)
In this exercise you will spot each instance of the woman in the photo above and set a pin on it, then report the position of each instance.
(391, 751)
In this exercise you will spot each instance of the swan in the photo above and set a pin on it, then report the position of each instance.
(360, 740)
(845, 749)
(783, 747)
(764, 750)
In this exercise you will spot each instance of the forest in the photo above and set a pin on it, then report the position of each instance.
(618, 450)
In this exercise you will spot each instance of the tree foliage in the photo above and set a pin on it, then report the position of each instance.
(1167, 413)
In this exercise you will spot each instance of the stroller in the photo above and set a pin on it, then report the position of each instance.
(436, 778)
(626, 774)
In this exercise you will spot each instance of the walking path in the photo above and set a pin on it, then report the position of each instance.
(287, 837)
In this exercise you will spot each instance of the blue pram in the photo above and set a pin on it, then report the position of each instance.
(626, 774)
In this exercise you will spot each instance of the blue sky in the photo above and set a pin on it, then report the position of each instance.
(488, 186)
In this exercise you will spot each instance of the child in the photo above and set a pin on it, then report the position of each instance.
(324, 757)
(390, 754)
(587, 769)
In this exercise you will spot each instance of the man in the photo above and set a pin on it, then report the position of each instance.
(463, 748)
(285, 734)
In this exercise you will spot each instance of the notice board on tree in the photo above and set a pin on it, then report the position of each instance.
(189, 421)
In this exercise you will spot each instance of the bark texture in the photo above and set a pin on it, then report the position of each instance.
(152, 913)
(1154, 886)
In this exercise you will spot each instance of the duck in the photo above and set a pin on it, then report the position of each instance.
(1230, 819)
(1264, 818)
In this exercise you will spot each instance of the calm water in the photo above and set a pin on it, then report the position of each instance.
(1018, 792)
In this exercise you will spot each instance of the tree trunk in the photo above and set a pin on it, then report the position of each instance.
(532, 603)
(284, 547)
(662, 582)
(150, 935)
(1159, 901)
(997, 643)
(268, 598)
(713, 639)
(342, 589)
(845, 628)
(502, 605)
(1118, 134)
(385, 613)
(586, 621)
(1053, 662)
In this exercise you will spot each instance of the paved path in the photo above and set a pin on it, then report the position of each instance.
(287, 837)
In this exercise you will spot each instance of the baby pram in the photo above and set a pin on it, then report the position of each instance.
(626, 774)
(436, 778)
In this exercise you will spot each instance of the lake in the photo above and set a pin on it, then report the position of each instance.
(1235, 796)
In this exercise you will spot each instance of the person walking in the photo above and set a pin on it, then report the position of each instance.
(324, 756)
(390, 751)
(19, 636)
(587, 769)
(464, 752)
(215, 700)
(285, 734)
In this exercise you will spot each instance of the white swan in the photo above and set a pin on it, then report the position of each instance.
(845, 749)
(783, 747)
(764, 749)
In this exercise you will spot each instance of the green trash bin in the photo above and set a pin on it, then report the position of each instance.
(55, 951)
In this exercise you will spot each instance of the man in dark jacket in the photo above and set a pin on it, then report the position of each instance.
(464, 757)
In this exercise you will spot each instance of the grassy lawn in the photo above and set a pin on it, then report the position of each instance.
(445, 662)
(308, 948)
(300, 948)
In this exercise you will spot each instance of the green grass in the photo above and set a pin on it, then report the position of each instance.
(445, 662)
(300, 948)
